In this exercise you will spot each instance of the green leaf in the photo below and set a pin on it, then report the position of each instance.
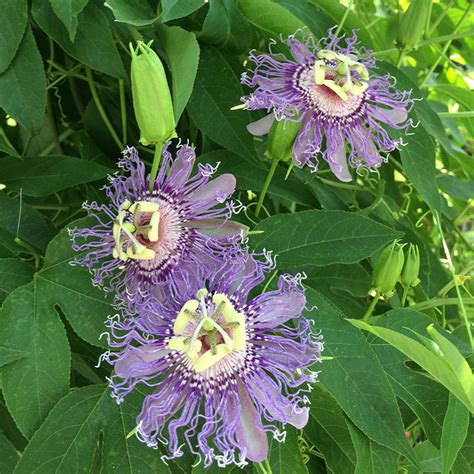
(14, 16)
(13, 273)
(465, 460)
(353, 279)
(321, 237)
(23, 86)
(173, 9)
(418, 159)
(9, 456)
(429, 456)
(225, 27)
(10, 355)
(18, 218)
(34, 383)
(336, 11)
(372, 458)
(329, 432)
(42, 175)
(182, 50)
(317, 21)
(286, 456)
(271, 18)
(69, 438)
(136, 13)
(455, 187)
(251, 175)
(455, 426)
(84, 305)
(93, 44)
(68, 11)
(355, 378)
(427, 398)
(425, 358)
(216, 90)
(426, 115)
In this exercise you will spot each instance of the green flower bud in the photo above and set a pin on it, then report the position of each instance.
(388, 269)
(151, 96)
(413, 23)
(411, 268)
(281, 138)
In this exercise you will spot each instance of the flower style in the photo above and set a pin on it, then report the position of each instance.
(328, 87)
(225, 369)
(142, 236)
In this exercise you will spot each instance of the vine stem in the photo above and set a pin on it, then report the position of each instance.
(456, 115)
(434, 302)
(266, 184)
(454, 277)
(155, 165)
(404, 295)
(446, 46)
(371, 308)
(123, 110)
(100, 108)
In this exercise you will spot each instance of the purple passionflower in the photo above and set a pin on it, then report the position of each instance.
(143, 235)
(225, 368)
(329, 87)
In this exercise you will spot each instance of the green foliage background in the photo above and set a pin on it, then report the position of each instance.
(389, 399)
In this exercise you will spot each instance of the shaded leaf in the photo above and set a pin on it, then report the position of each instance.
(321, 237)
(136, 13)
(42, 175)
(9, 456)
(355, 378)
(217, 89)
(67, 11)
(286, 456)
(173, 9)
(456, 187)
(10, 355)
(13, 18)
(13, 273)
(93, 44)
(455, 426)
(372, 457)
(182, 50)
(23, 97)
(69, 437)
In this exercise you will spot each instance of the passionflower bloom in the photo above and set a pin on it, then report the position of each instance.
(341, 103)
(225, 369)
(142, 236)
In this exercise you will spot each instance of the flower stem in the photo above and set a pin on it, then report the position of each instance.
(446, 46)
(100, 108)
(454, 277)
(371, 307)
(440, 17)
(123, 110)
(344, 18)
(434, 302)
(455, 115)
(155, 165)
(266, 184)
(404, 295)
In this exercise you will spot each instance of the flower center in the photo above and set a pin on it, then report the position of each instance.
(334, 70)
(208, 336)
(140, 219)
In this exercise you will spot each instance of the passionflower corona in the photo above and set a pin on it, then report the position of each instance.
(225, 369)
(143, 235)
(331, 89)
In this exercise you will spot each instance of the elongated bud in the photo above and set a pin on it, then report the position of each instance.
(151, 96)
(281, 138)
(411, 268)
(388, 268)
(413, 23)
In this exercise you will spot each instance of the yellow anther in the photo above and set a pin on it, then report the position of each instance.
(238, 333)
(185, 315)
(359, 88)
(319, 72)
(147, 206)
(154, 227)
(179, 344)
(228, 311)
(208, 359)
(337, 89)
(141, 253)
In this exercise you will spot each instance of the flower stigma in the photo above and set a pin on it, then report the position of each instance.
(334, 70)
(135, 225)
(207, 337)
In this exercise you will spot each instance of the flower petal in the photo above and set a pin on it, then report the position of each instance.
(250, 433)
(218, 228)
(338, 164)
(390, 116)
(261, 126)
(216, 190)
(138, 361)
